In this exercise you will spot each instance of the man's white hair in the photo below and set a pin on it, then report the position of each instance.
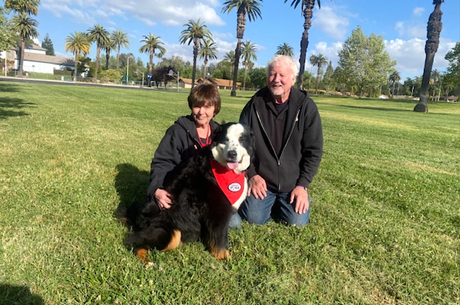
(283, 59)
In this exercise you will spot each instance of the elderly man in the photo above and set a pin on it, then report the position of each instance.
(288, 151)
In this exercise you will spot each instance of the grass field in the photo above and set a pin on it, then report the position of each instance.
(385, 218)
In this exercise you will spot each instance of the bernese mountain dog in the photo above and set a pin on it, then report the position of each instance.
(206, 191)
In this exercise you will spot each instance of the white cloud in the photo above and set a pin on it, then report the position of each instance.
(331, 23)
(418, 11)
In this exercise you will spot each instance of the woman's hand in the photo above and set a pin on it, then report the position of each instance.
(163, 199)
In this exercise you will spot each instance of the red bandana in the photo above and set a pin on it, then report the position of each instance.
(231, 183)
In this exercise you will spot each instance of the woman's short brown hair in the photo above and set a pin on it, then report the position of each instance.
(204, 94)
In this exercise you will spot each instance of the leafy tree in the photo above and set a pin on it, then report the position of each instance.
(230, 58)
(8, 36)
(243, 8)
(101, 37)
(120, 39)
(434, 28)
(248, 52)
(364, 63)
(77, 43)
(318, 60)
(48, 45)
(195, 32)
(453, 70)
(307, 12)
(285, 49)
(208, 50)
(258, 77)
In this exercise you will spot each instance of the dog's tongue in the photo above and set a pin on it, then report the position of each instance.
(232, 165)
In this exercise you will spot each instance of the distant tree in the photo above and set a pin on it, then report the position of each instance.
(307, 12)
(152, 43)
(434, 28)
(258, 77)
(195, 32)
(453, 70)
(208, 50)
(328, 78)
(394, 78)
(230, 58)
(285, 49)
(120, 39)
(318, 60)
(108, 46)
(364, 63)
(248, 52)
(77, 43)
(243, 8)
(100, 36)
(48, 45)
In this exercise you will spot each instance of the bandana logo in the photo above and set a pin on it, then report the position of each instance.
(234, 187)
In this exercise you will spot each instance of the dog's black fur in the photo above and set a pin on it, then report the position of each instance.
(199, 210)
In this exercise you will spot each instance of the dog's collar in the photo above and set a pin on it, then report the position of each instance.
(231, 183)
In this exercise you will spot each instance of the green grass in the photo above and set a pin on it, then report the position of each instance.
(384, 224)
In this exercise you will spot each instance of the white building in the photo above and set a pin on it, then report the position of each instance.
(36, 60)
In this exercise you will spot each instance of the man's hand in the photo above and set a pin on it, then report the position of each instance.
(300, 196)
(163, 199)
(257, 187)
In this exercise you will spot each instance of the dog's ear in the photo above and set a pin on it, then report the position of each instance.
(223, 122)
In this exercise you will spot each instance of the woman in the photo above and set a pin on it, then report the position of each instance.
(183, 139)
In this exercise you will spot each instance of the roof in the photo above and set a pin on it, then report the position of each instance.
(49, 59)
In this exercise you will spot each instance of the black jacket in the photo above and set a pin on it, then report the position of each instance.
(297, 159)
(179, 143)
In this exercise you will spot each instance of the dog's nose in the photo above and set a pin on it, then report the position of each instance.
(232, 154)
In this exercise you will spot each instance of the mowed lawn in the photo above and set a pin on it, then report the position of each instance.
(385, 217)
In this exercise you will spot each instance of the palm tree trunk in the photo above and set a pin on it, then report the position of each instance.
(21, 59)
(98, 56)
(431, 47)
(240, 26)
(308, 14)
(195, 55)
(118, 58)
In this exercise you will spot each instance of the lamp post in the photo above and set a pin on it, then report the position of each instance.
(127, 69)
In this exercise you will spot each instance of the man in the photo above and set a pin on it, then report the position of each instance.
(288, 148)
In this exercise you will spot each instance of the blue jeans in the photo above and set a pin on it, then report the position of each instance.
(260, 211)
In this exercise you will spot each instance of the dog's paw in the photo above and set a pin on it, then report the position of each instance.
(220, 254)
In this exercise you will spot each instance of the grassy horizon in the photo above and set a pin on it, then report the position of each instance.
(385, 218)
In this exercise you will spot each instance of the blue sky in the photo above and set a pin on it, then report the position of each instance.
(401, 23)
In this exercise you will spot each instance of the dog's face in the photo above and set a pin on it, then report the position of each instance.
(232, 146)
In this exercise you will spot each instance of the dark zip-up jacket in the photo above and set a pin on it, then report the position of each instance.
(179, 144)
(300, 150)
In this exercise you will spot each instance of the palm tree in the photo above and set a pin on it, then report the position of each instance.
(318, 60)
(99, 35)
(394, 78)
(243, 8)
(30, 7)
(285, 49)
(23, 24)
(248, 52)
(26, 27)
(120, 39)
(108, 47)
(151, 44)
(77, 43)
(230, 57)
(307, 11)
(196, 32)
(434, 28)
(207, 51)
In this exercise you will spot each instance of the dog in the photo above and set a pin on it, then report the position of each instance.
(205, 193)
